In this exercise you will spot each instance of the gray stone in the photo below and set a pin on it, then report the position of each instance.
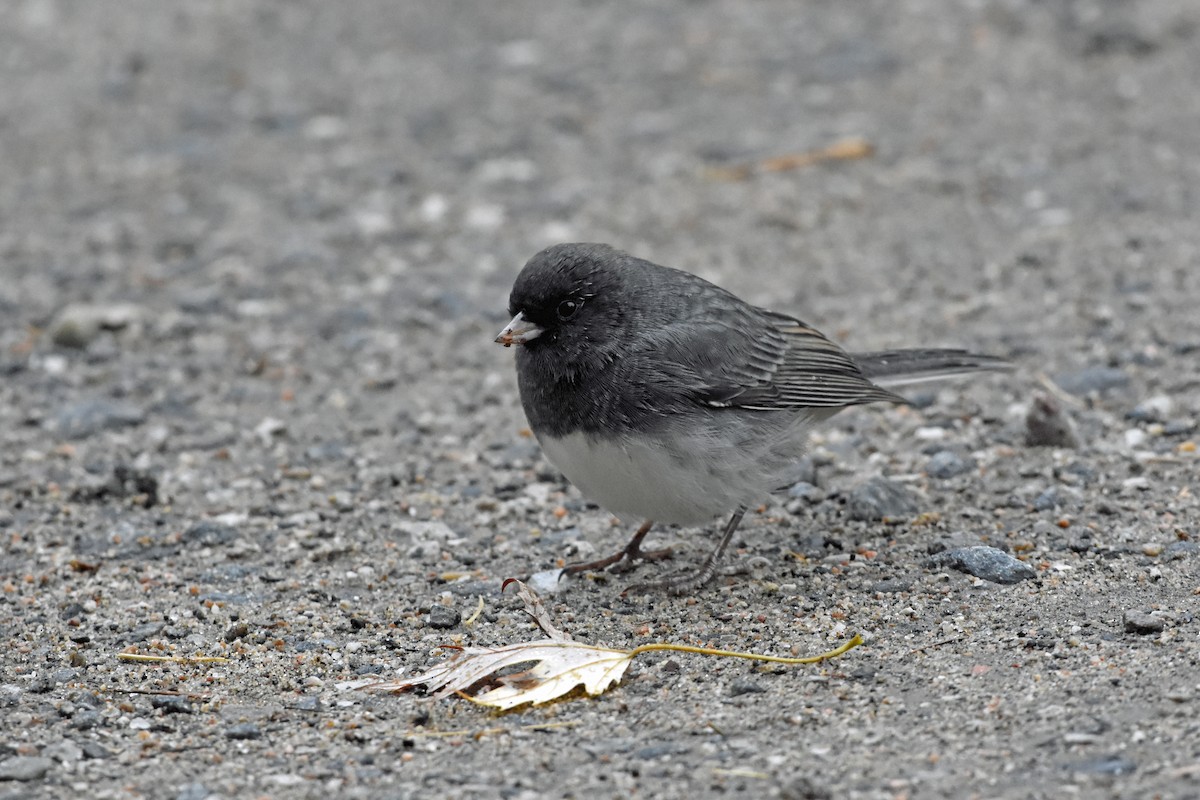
(208, 533)
(807, 492)
(1143, 623)
(243, 731)
(443, 617)
(78, 324)
(743, 686)
(881, 499)
(1111, 765)
(172, 704)
(64, 752)
(95, 751)
(25, 768)
(1177, 550)
(145, 631)
(985, 562)
(1092, 379)
(948, 464)
(194, 791)
(89, 417)
(1047, 425)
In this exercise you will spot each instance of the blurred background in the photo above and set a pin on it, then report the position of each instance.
(419, 153)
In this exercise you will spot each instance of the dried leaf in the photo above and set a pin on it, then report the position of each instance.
(558, 665)
(558, 668)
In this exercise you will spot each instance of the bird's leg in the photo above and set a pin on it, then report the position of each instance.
(691, 581)
(631, 552)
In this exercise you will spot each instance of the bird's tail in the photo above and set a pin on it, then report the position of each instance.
(889, 368)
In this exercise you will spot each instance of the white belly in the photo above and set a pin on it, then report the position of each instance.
(639, 479)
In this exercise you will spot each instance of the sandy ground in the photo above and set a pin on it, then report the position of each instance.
(252, 258)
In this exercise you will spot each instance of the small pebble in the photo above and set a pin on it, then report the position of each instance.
(947, 464)
(1092, 380)
(1113, 765)
(890, 585)
(1050, 499)
(741, 687)
(443, 617)
(547, 581)
(1142, 623)
(1047, 425)
(195, 791)
(1152, 409)
(78, 324)
(985, 562)
(89, 417)
(1177, 550)
(1135, 438)
(881, 499)
(243, 731)
(25, 768)
(804, 490)
(172, 704)
(207, 533)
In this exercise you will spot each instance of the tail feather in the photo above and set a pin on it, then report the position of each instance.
(890, 368)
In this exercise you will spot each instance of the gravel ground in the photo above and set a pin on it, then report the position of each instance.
(253, 257)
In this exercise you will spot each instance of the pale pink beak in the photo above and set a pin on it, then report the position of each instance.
(519, 331)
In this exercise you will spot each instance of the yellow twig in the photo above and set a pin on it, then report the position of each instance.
(708, 651)
(148, 659)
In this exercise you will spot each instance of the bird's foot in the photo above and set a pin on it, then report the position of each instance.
(620, 561)
(685, 583)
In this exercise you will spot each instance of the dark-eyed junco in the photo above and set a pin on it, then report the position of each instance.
(665, 398)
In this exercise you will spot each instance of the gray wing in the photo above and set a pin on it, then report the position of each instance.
(749, 358)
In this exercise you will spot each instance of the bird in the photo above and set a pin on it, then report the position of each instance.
(667, 399)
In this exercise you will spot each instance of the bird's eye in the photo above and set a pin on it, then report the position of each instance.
(567, 308)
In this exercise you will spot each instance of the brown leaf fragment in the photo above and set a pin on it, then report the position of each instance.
(537, 611)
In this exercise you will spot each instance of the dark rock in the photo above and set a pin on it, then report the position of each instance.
(1143, 624)
(890, 585)
(803, 788)
(243, 731)
(1055, 497)
(172, 704)
(1179, 427)
(1046, 425)
(740, 687)
(85, 720)
(238, 630)
(881, 499)
(947, 464)
(72, 611)
(985, 562)
(147, 631)
(443, 617)
(95, 750)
